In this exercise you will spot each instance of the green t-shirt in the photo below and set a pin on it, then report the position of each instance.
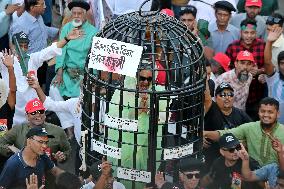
(258, 143)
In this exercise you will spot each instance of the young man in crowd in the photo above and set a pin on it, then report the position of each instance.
(274, 78)
(31, 62)
(32, 159)
(252, 8)
(254, 134)
(189, 175)
(275, 25)
(254, 45)
(221, 29)
(226, 171)
(221, 115)
(239, 78)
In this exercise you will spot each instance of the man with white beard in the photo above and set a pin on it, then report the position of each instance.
(70, 65)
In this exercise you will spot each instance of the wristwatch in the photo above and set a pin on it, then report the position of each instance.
(66, 39)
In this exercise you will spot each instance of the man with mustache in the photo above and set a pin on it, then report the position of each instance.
(257, 135)
(239, 78)
(251, 43)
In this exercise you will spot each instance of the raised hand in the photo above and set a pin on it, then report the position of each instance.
(59, 156)
(32, 183)
(12, 8)
(159, 179)
(8, 58)
(105, 167)
(274, 34)
(243, 154)
(33, 82)
(75, 33)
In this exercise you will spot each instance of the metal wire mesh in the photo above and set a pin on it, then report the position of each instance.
(171, 126)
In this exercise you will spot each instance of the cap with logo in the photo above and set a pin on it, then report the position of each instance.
(255, 3)
(245, 55)
(222, 87)
(228, 140)
(34, 105)
(224, 5)
(38, 131)
(21, 37)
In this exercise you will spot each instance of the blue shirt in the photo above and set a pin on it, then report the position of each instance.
(4, 18)
(268, 173)
(37, 32)
(16, 171)
(221, 40)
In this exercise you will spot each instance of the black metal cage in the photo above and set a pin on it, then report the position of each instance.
(168, 126)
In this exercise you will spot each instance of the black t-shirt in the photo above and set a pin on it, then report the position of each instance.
(229, 177)
(6, 116)
(215, 120)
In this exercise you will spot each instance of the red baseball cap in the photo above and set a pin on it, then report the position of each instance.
(245, 55)
(257, 3)
(223, 60)
(168, 12)
(34, 105)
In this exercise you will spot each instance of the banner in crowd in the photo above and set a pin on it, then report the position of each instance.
(115, 56)
(101, 12)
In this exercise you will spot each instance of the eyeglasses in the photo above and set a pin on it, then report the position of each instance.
(190, 175)
(40, 141)
(37, 111)
(229, 94)
(149, 79)
(272, 20)
(232, 150)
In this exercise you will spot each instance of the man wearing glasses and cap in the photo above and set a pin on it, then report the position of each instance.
(220, 115)
(30, 160)
(226, 171)
(58, 148)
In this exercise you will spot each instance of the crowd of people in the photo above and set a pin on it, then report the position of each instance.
(42, 68)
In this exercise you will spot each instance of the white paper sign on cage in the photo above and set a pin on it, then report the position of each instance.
(106, 149)
(178, 152)
(115, 56)
(132, 174)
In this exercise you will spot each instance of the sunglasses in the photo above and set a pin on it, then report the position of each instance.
(190, 175)
(149, 79)
(232, 150)
(273, 20)
(38, 111)
(229, 94)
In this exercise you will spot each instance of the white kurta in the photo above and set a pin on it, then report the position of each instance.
(24, 92)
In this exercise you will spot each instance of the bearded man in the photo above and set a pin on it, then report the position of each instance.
(239, 78)
(257, 135)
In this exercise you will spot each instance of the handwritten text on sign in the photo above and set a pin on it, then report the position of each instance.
(115, 56)
(120, 123)
(136, 175)
(106, 149)
(172, 153)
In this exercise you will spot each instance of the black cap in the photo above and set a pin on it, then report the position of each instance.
(190, 164)
(38, 131)
(228, 140)
(21, 37)
(79, 3)
(224, 5)
(95, 170)
(222, 87)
